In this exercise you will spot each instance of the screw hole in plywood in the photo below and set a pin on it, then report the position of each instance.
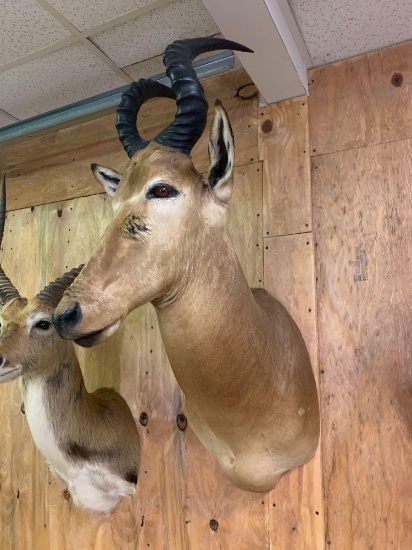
(214, 524)
(397, 80)
(181, 422)
(144, 418)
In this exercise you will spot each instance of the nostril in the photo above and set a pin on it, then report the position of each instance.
(1, 361)
(69, 317)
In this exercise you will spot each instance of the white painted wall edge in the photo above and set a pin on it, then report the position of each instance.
(292, 37)
(279, 65)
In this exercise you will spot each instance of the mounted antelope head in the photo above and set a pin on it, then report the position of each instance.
(236, 353)
(90, 440)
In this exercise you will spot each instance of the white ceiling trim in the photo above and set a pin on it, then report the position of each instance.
(294, 30)
(277, 66)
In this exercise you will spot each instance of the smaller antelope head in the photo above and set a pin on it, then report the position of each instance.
(28, 338)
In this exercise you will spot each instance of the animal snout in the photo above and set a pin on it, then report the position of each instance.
(68, 319)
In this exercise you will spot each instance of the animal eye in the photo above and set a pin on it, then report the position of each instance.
(162, 191)
(43, 325)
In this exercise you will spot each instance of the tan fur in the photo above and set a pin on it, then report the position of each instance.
(236, 353)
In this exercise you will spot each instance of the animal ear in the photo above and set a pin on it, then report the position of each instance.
(107, 177)
(221, 154)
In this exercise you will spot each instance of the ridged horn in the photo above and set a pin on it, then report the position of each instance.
(7, 290)
(53, 293)
(128, 109)
(191, 116)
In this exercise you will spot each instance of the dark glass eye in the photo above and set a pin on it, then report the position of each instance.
(162, 191)
(43, 325)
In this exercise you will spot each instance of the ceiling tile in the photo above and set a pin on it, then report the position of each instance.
(133, 41)
(189, 17)
(62, 77)
(148, 35)
(85, 15)
(25, 27)
(6, 119)
(335, 30)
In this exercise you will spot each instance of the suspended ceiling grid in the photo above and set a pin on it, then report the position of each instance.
(56, 52)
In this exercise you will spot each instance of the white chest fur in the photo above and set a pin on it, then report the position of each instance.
(90, 485)
(42, 432)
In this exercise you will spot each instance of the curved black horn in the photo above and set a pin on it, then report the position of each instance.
(7, 290)
(53, 293)
(137, 93)
(191, 116)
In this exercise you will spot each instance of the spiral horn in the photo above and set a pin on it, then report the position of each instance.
(53, 293)
(7, 290)
(191, 116)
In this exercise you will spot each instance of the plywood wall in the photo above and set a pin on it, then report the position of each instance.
(360, 130)
(321, 217)
(56, 216)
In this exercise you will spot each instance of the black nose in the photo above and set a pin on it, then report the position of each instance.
(68, 319)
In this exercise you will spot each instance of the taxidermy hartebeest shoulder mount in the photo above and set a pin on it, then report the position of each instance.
(89, 440)
(250, 393)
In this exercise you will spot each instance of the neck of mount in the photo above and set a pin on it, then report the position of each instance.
(62, 381)
(209, 329)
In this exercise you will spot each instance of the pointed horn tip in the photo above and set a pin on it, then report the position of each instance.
(93, 166)
(240, 47)
(206, 44)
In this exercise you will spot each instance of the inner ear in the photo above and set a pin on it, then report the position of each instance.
(221, 153)
(107, 177)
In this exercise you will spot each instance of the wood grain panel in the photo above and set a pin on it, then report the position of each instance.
(363, 224)
(296, 503)
(284, 146)
(57, 166)
(354, 103)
